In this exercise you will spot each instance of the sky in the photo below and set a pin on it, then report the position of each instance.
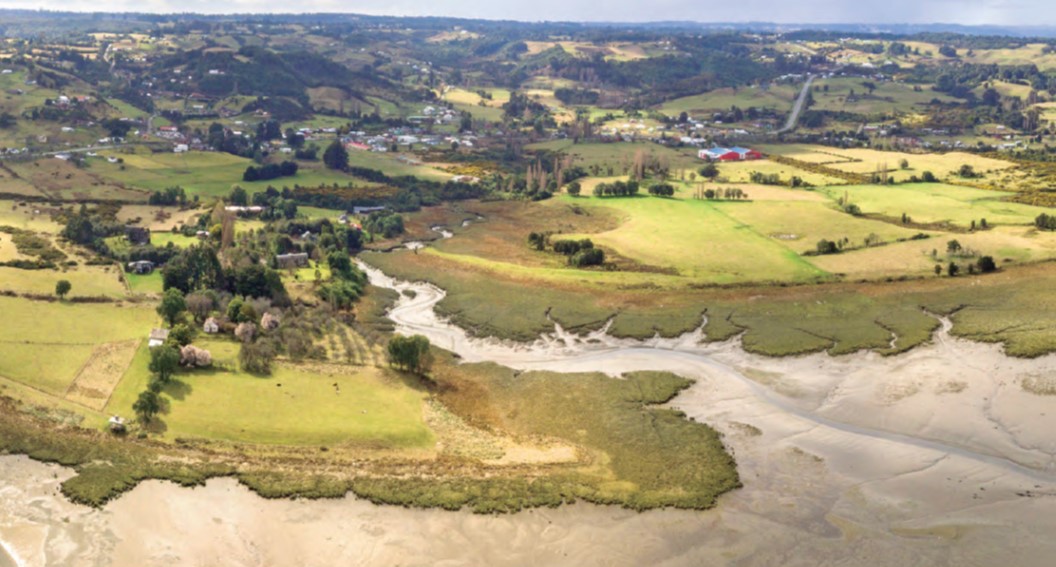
(967, 12)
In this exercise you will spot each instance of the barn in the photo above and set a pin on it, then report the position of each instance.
(729, 154)
(747, 153)
(719, 154)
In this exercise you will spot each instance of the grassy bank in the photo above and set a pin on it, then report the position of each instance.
(1009, 307)
(508, 442)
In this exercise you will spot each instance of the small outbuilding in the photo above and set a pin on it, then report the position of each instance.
(141, 267)
(294, 260)
(117, 424)
(211, 326)
(157, 337)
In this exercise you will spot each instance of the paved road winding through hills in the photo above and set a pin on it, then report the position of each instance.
(797, 108)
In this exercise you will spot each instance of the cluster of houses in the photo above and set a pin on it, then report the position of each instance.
(360, 141)
(729, 154)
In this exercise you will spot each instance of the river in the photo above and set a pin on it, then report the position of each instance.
(940, 456)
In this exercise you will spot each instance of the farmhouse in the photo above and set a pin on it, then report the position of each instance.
(211, 326)
(295, 260)
(157, 337)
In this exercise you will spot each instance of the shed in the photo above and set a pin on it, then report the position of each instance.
(211, 325)
(117, 424)
(747, 153)
(141, 267)
(157, 337)
(294, 260)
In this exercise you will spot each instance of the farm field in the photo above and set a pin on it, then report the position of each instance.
(741, 172)
(390, 165)
(208, 174)
(867, 161)
(1009, 246)
(1030, 54)
(777, 97)
(156, 218)
(302, 404)
(86, 280)
(45, 344)
(62, 180)
(618, 156)
(938, 203)
(468, 100)
(800, 225)
(888, 97)
(713, 244)
(30, 216)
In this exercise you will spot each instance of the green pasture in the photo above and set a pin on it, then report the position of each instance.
(938, 203)
(777, 97)
(43, 344)
(313, 404)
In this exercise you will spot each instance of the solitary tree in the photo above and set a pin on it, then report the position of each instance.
(164, 360)
(238, 197)
(953, 247)
(147, 406)
(709, 171)
(986, 264)
(62, 288)
(172, 305)
(574, 188)
(336, 156)
(410, 353)
(952, 269)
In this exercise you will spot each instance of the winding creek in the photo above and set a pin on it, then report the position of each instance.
(940, 456)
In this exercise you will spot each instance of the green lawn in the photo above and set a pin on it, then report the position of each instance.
(86, 280)
(145, 283)
(294, 405)
(178, 240)
(43, 344)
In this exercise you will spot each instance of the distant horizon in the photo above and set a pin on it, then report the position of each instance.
(809, 14)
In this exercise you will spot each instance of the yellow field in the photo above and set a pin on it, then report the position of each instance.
(800, 225)
(1009, 243)
(944, 166)
(98, 377)
(741, 172)
(157, 219)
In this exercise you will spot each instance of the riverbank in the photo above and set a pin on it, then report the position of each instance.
(938, 456)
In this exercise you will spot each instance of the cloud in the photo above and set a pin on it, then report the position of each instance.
(971, 12)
